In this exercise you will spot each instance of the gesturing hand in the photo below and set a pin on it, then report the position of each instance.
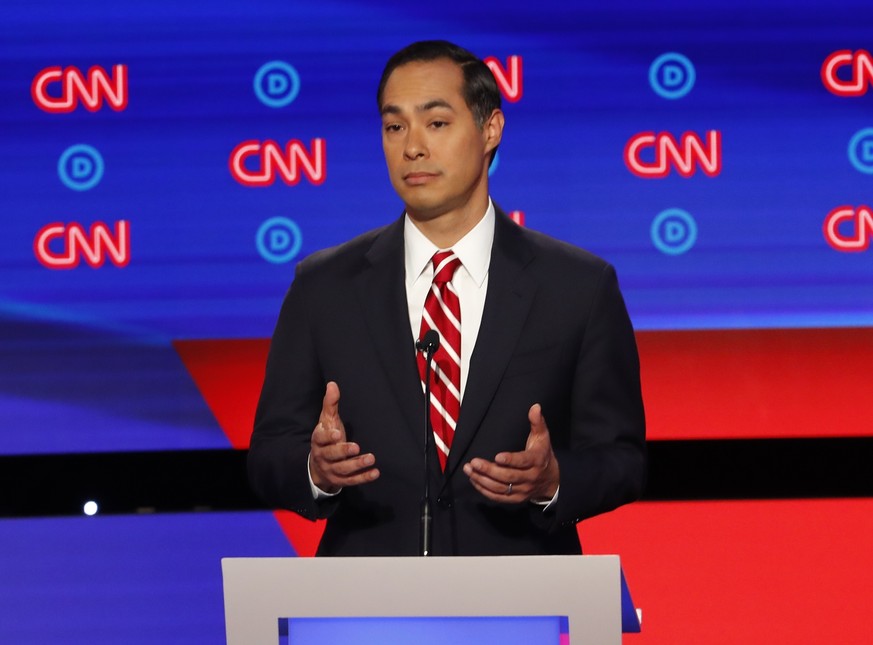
(514, 477)
(335, 463)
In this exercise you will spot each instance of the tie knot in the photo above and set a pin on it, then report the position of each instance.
(444, 265)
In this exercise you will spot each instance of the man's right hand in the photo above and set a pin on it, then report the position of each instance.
(335, 463)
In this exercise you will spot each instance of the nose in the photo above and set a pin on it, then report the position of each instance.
(414, 146)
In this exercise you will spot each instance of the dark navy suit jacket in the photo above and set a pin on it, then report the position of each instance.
(554, 331)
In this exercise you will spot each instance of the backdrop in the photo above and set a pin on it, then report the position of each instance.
(165, 168)
(165, 165)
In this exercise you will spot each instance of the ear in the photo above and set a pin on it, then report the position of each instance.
(492, 130)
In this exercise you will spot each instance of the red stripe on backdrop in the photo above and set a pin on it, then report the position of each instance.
(703, 572)
(743, 384)
(303, 534)
(696, 384)
(748, 572)
(229, 375)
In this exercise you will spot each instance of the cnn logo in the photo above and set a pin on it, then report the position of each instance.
(652, 156)
(859, 72)
(59, 90)
(509, 77)
(259, 163)
(849, 229)
(63, 246)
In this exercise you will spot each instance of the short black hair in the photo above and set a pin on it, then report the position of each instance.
(479, 89)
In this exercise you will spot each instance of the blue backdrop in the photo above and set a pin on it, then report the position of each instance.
(85, 355)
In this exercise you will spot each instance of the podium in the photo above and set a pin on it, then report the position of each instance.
(266, 597)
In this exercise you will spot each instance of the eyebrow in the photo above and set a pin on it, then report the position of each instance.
(430, 105)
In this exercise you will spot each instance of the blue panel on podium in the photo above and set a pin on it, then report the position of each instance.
(426, 630)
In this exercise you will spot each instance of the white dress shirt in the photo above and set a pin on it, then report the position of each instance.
(470, 280)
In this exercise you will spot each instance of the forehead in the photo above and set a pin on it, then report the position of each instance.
(414, 84)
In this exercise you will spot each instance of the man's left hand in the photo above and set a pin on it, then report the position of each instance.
(515, 477)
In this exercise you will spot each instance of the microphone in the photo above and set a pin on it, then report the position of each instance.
(429, 344)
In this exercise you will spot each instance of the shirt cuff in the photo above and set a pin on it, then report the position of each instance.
(545, 503)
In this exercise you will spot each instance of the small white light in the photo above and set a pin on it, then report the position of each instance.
(90, 508)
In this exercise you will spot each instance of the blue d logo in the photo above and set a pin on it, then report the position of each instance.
(672, 75)
(279, 240)
(277, 84)
(80, 167)
(673, 231)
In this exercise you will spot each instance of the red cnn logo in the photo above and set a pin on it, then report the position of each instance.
(690, 152)
(273, 160)
(857, 238)
(90, 90)
(95, 247)
(861, 72)
(509, 78)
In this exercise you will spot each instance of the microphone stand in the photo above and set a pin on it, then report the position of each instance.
(429, 344)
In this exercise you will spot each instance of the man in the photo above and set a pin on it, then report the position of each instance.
(537, 414)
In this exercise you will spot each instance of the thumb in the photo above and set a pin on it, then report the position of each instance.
(538, 429)
(330, 402)
(537, 420)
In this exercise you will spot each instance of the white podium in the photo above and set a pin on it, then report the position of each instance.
(260, 592)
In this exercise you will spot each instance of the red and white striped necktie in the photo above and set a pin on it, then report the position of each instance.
(442, 312)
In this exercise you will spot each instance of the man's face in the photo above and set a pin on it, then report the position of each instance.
(437, 156)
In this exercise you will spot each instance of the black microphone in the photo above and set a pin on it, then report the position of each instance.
(429, 345)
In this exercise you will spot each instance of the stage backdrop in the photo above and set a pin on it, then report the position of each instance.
(165, 165)
(164, 168)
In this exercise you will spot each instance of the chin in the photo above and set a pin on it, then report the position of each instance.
(422, 214)
(423, 208)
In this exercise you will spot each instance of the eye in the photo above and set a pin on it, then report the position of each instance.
(392, 127)
(438, 124)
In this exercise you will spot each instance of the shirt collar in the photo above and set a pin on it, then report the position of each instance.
(474, 249)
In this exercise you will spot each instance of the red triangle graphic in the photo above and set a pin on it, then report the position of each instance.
(229, 375)
(304, 535)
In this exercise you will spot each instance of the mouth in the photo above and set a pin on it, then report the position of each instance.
(419, 178)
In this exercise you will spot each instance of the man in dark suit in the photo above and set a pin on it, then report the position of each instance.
(544, 335)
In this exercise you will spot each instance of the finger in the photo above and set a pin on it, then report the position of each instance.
(333, 482)
(495, 478)
(517, 460)
(364, 477)
(324, 436)
(332, 476)
(334, 453)
(516, 466)
(488, 469)
(497, 491)
(351, 467)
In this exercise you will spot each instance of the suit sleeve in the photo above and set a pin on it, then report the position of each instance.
(605, 463)
(288, 409)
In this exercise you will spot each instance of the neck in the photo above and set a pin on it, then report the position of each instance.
(446, 229)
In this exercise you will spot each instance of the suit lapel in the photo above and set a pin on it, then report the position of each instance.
(382, 294)
(509, 297)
